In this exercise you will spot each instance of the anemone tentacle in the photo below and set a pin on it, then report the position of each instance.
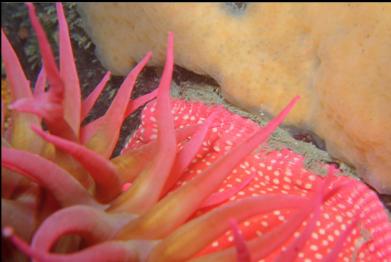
(69, 192)
(147, 188)
(102, 134)
(243, 254)
(187, 153)
(89, 102)
(182, 244)
(20, 135)
(93, 225)
(189, 197)
(107, 251)
(104, 173)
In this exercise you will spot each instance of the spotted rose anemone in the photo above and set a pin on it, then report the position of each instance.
(194, 183)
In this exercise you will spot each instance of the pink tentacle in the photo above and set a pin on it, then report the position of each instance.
(146, 190)
(20, 216)
(93, 225)
(40, 85)
(132, 162)
(20, 135)
(182, 243)
(189, 197)
(186, 155)
(68, 74)
(220, 197)
(105, 252)
(243, 254)
(48, 60)
(104, 173)
(2, 118)
(89, 102)
(66, 189)
(20, 86)
(101, 135)
(135, 104)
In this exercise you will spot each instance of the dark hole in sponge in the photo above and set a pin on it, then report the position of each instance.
(307, 136)
(236, 8)
(182, 75)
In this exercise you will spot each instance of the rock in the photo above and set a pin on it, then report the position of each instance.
(336, 56)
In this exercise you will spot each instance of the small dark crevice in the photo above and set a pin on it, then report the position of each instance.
(307, 136)
(236, 8)
(386, 200)
(182, 75)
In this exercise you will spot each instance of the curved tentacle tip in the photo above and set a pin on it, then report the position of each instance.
(7, 231)
(294, 101)
(29, 4)
(126, 186)
(171, 37)
(22, 104)
(242, 251)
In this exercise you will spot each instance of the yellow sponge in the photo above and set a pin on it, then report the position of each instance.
(336, 56)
